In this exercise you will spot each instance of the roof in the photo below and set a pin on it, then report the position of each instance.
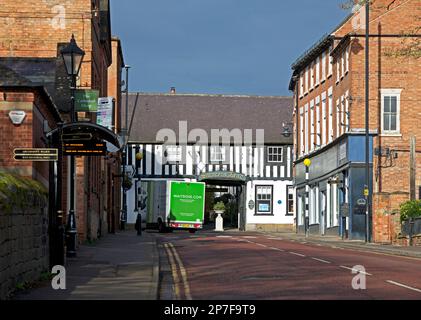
(49, 73)
(325, 42)
(157, 111)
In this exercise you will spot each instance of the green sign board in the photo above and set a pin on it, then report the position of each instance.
(86, 100)
(187, 202)
(223, 176)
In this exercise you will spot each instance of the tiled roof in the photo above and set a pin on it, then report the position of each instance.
(157, 111)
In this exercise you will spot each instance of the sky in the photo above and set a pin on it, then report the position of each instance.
(243, 47)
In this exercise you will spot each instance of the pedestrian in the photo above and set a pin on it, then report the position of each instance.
(138, 225)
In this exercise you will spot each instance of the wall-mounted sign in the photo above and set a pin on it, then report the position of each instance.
(264, 207)
(84, 148)
(17, 116)
(361, 202)
(86, 100)
(223, 176)
(251, 204)
(105, 112)
(40, 154)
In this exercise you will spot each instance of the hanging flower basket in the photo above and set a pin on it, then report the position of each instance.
(127, 184)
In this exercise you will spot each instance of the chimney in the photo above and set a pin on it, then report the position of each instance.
(173, 91)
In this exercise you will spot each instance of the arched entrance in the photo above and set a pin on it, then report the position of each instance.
(235, 182)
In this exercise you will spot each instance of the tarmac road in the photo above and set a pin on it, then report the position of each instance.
(254, 266)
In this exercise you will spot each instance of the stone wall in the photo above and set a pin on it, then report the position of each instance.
(24, 254)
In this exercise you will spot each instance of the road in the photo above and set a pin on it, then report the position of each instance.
(253, 266)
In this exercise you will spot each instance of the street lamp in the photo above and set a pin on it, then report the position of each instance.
(123, 217)
(307, 164)
(72, 56)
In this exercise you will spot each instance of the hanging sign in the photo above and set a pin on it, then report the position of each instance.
(86, 100)
(105, 112)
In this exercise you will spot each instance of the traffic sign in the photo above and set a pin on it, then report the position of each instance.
(35, 154)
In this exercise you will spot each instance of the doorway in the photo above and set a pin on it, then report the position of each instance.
(323, 207)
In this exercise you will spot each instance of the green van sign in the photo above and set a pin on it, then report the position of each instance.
(187, 202)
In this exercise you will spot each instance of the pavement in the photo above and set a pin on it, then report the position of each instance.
(414, 251)
(121, 266)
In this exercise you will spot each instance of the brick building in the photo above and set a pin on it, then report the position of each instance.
(329, 85)
(35, 32)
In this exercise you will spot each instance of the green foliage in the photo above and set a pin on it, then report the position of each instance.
(21, 192)
(219, 206)
(410, 209)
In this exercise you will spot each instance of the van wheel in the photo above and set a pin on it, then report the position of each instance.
(192, 230)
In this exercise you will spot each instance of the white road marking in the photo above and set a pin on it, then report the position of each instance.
(274, 238)
(224, 236)
(277, 249)
(297, 254)
(304, 242)
(249, 237)
(403, 286)
(259, 244)
(321, 260)
(356, 270)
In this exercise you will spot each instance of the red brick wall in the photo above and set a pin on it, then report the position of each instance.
(31, 30)
(391, 175)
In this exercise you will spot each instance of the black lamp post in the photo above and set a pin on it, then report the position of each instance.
(72, 56)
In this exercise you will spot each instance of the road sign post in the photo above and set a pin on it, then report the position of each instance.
(35, 154)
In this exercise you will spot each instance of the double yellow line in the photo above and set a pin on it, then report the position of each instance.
(179, 274)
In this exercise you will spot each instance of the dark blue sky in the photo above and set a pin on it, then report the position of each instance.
(219, 46)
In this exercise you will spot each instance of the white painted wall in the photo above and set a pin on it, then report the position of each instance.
(279, 210)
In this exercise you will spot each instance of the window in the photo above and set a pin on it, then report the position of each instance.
(338, 115)
(343, 65)
(306, 82)
(173, 154)
(290, 201)
(338, 71)
(312, 128)
(275, 154)
(391, 111)
(330, 92)
(306, 129)
(218, 154)
(324, 66)
(324, 117)
(301, 85)
(312, 76)
(347, 60)
(318, 71)
(347, 111)
(318, 143)
(302, 129)
(264, 195)
(330, 66)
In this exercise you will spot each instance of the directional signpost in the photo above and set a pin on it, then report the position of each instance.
(36, 154)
